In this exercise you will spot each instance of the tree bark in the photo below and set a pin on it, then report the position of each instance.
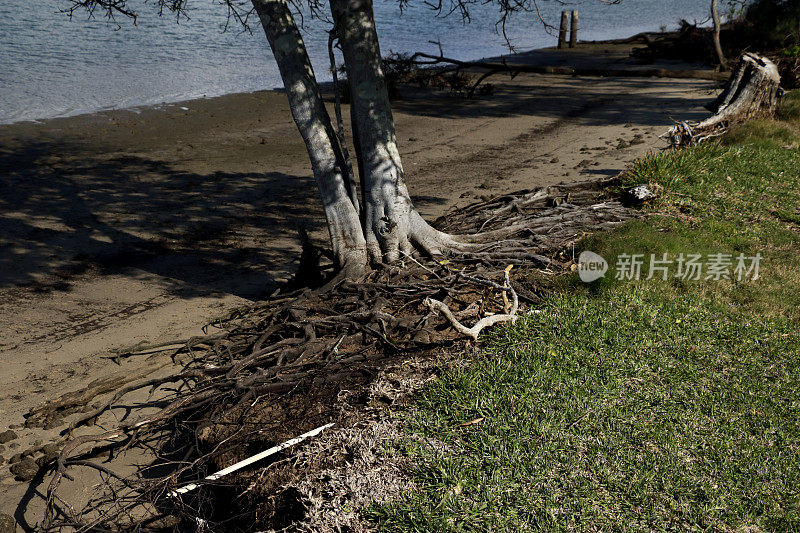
(314, 123)
(392, 226)
(723, 64)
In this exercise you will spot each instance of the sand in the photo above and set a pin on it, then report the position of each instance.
(143, 225)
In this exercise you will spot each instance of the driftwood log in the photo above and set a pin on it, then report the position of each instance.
(503, 65)
(752, 91)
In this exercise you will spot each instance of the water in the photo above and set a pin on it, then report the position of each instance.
(51, 66)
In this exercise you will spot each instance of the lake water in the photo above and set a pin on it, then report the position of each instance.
(52, 66)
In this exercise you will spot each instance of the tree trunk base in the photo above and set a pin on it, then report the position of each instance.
(752, 91)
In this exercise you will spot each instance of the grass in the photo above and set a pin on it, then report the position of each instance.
(639, 405)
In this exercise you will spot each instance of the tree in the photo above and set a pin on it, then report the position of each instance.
(723, 64)
(313, 339)
(380, 224)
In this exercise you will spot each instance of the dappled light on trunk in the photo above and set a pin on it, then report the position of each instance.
(314, 123)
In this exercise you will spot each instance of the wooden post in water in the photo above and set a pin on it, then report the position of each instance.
(562, 33)
(573, 33)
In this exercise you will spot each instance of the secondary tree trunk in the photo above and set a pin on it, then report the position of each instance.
(314, 123)
(392, 226)
(723, 64)
(751, 91)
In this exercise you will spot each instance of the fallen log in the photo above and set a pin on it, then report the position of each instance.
(505, 66)
(752, 91)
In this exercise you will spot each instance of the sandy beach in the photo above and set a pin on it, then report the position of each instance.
(142, 225)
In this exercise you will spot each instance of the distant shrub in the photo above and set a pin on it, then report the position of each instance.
(774, 23)
(791, 51)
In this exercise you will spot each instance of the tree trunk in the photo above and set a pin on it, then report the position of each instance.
(562, 30)
(723, 64)
(573, 29)
(314, 123)
(391, 224)
(751, 91)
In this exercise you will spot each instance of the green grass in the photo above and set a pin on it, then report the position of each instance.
(790, 107)
(639, 405)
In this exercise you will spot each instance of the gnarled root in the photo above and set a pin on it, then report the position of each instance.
(523, 227)
(751, 91)
(238, 388)
(509, 316)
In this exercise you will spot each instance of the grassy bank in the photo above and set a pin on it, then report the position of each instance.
(640, 405)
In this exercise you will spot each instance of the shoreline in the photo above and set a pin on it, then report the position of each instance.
(605, 58)
(122, 227)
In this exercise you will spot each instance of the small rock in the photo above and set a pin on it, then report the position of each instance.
(24, 470)
(17, 457)
(13, 445)
(54, 423)
(30, 451)
(2, 459)
(585, 163)
(45, 459)
(622, 144)
(554, 160)
(50, 448)
(7, 436)
(7, 524)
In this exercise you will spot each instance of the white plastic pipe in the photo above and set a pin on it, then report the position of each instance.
(251, 460)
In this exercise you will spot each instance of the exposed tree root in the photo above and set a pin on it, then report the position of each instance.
(510, 314)
(243, 386)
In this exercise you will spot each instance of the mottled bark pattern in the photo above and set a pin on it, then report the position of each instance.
(391, 224)
(315, 126)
